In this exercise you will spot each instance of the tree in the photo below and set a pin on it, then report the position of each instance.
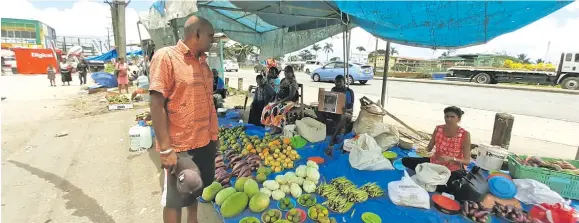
(294, 58)
(360, 49)
(316, 47)
(523, 57)
(393, 51)
(334, 59)
(378, 52)
(447, 53)
(540, 61)
(239, 52)
(328, 49)
(306, 55)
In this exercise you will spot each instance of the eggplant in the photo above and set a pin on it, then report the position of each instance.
(218, 159)
(237, 166)
(480, 214)
(235, 159)
(465, 204)
(224, 181)
(474, 205)
(219, 165)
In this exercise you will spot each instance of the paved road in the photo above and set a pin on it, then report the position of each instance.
(538, 104)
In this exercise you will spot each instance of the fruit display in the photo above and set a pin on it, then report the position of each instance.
(271, 216)
(221, 174)
(475, 211)
(286, 204)
(318, 212)
(511, 213)
(211, 191)
(118, 99)
(307, 200)
(294, 215)
(249, 220)
(372, 189)
(224, 194)
(259, 202)
(557, 165)
(276, 153)
(143, 116)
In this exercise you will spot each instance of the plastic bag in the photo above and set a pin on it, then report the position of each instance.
(289, 131)
(530, 191)
(367, 155)
(349, 144)
(554, 213)
(429, 175)
(407, 193)
(388, 139)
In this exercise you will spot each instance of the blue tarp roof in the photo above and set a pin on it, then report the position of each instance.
(112, 55)
(446, 24)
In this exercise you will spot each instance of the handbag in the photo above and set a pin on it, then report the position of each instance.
(117, 73)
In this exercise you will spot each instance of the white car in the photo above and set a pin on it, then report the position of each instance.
(311, 65)
(230, 65)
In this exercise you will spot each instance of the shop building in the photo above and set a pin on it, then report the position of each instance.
(25, 33)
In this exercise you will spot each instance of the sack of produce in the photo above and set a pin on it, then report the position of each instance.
(367, 155)
(429, 175)
(370, 120)
(407, 193)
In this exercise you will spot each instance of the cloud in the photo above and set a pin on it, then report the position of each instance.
(84, 18)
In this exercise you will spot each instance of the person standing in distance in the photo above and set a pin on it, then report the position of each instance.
(183, 114)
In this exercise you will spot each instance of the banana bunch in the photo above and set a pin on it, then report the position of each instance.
(327, 190)
(338, 204)
(356, 195)
(372, 189)
(342, 183)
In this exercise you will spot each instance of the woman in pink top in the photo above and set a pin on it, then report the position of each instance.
(452, 145)
(123, 78)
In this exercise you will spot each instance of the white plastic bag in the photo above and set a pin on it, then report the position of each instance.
(367, 155)
(429, 175)
(289, 131)
(407, 193)
(530, 191)
(349, 144)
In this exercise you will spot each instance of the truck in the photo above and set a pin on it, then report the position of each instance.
(566, 75)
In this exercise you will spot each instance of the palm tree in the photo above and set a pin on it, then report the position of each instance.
(328, 49)
(360, 49)
(393, 51)
(540, 61)
(523, 57)
(316, 47)
(239, 52)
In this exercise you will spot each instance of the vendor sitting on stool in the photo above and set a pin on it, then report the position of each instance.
(452, 147)
(142, 86)
(262, 96)
(344, 118)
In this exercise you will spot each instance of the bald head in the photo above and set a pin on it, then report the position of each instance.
(194, 26)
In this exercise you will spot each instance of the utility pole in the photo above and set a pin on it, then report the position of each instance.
(375, 56)
(118, 21)
(385, 77)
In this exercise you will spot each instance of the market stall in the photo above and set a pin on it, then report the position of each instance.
(333, 167)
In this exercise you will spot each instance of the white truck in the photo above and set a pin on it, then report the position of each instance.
(566, 74)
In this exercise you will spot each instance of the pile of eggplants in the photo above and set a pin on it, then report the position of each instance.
(512, 213)
(475, 211)
(221, 174)
(240, 166)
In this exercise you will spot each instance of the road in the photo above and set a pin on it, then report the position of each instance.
(543, 121)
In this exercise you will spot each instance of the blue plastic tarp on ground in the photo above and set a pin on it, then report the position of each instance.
(104, 79)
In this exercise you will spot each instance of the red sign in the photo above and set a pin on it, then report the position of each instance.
(34, 61)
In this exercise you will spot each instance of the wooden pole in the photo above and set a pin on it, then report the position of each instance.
(577, 154)
(502, 130)
(226, 82)
(240, 84)
(385, 77)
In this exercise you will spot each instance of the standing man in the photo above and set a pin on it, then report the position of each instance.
(82, 69)
(183, 113)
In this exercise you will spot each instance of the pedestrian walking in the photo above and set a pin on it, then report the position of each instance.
(82, 69)
(184, 116)
(51, 73)
(65, 72)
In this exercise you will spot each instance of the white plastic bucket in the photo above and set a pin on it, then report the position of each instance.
(135, 138)
(491, 158)
(146, 139)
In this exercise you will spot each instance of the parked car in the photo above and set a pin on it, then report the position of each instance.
(311, 65)
(230, 65)
(357, 72)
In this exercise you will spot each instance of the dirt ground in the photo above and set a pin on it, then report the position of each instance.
(89, 175)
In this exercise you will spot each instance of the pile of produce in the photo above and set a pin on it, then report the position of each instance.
(342, 194)
(511, 213)
(276, 152)
(240, 165)
(143, 116)
(319, 213)
(228, 138)
(528, 66)
(118, 99)
(221, 175)
(294, 215)
(307, 200)
(303, 180)
(271, 216)
(475, 211)
(234, 200)
(286, 204)
(557, 165)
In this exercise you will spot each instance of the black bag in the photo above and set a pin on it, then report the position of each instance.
(117, 73)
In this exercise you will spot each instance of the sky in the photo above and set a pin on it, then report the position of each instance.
(91, 18)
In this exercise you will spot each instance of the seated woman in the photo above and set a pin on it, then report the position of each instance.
(262, 96)
(272, 78)
(142, 86)
(274, 114)
(218, 84)
(452, 147)
(343, 119)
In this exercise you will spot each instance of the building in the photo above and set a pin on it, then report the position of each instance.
(25, 33)
(380, 61)
(90, 46)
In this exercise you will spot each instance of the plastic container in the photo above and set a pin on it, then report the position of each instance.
(502, 187)
(445, 204)
(390, 155)
(567, 185)
(249, 218)
(265, 212)
(312, 195)
(146, 138)
(491, 158)
(369, 217)
(292, 201)
(135, 138)
(398, 164)
(303, 214)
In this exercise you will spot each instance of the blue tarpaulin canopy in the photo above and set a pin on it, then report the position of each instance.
(112, 55)
(279, 27)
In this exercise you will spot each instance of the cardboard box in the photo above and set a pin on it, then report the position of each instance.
(332, 102)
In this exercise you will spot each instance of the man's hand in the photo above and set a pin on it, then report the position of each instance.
(168, 161)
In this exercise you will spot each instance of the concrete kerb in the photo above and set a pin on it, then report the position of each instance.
(468, 84)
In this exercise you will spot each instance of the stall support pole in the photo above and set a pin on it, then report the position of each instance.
(222, 68)
(173, 24)
(577, 154)
(385, 74)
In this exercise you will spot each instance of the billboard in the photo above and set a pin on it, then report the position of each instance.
(34, 61)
